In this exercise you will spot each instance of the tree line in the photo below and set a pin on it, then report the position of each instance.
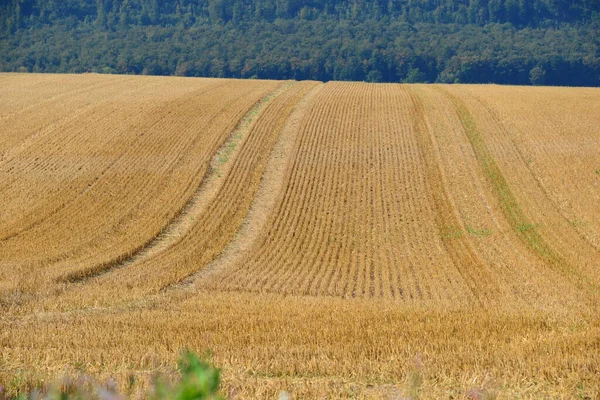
(554, 42)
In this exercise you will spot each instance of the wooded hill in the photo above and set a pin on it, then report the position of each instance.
(553, 42)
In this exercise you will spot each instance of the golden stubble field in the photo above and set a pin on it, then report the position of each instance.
(331, 240)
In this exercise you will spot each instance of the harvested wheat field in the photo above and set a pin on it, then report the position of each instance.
(338, 240)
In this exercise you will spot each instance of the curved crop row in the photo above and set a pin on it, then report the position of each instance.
(371, 208)
(112, 179)
(519, 277)
(524, 199)
(357, 217)
(412, 193)
(42, 166)
(555, 131)
(213, 227)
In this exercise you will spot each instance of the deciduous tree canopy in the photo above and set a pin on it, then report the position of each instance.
(553, 42)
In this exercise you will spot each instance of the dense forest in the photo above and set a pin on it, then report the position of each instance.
(553, 42)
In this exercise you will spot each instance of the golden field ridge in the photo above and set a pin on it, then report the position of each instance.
(331, 240)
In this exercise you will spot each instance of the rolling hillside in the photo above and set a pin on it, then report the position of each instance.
(330, 239)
